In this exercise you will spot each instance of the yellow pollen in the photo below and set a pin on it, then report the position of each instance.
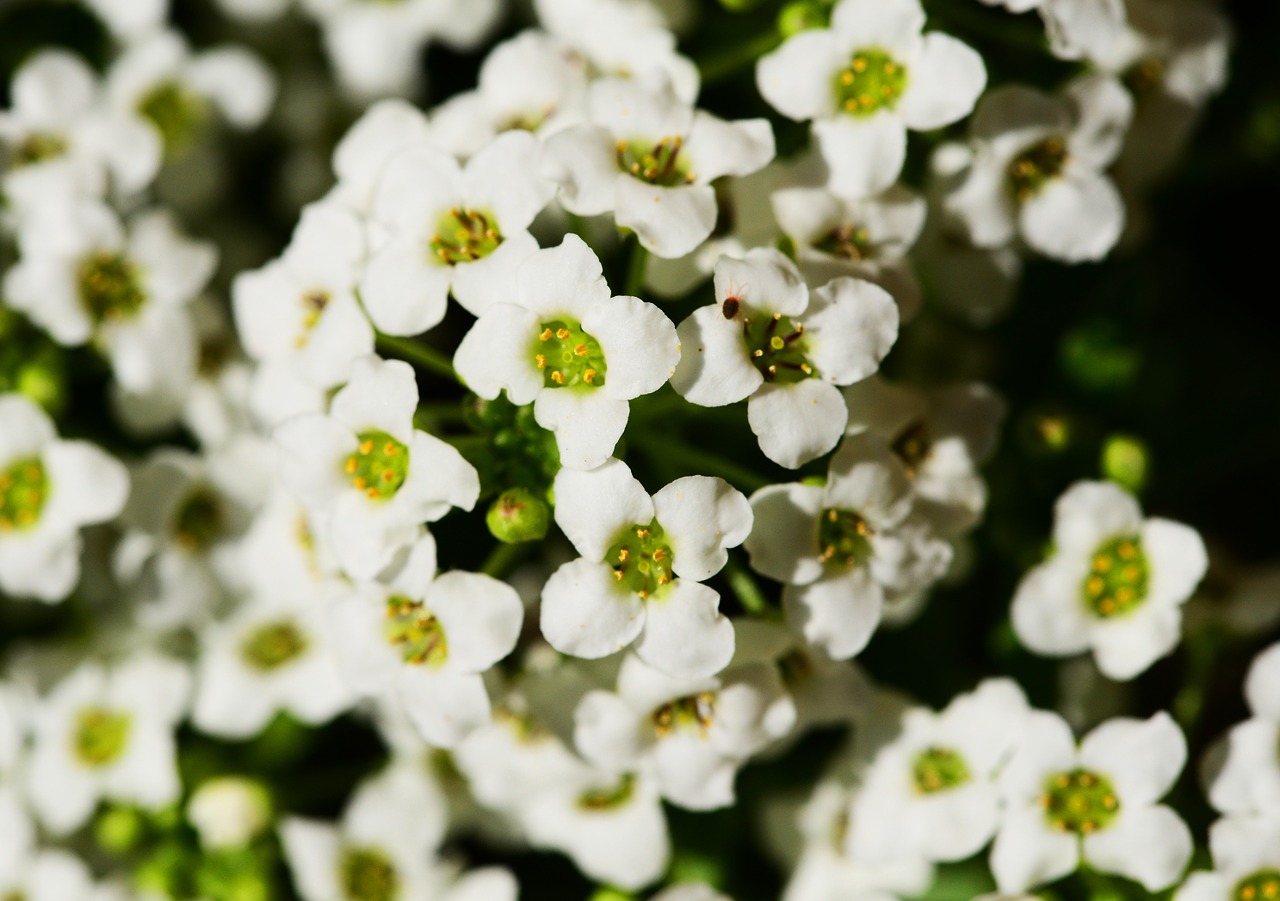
(388, 476)
(545, 335)
(622, 555)
(851, 104)
(588, 376)
(1127, 551)
(1107, 607)
(366, 447)
(642, 533)
(1101, 563)
(846, 77)
(580, 350)
(562, 333)
(557, 377)
(542, 361)
(390, 449)
(1109, 802)
(351, 465)
(359, 482)
(1094, 586)
(859, 65)
(890, 68)
(1131, 573)
(1124, 595)
(372, 494)
(644, 595)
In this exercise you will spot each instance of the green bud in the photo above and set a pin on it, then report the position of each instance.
(43, 382)
(802, 15)
(815, 481)
(691, 867)
(739, 6)
(518, 515)
(607, 893)
(229, 812)
(118, 830)
(1124, 461)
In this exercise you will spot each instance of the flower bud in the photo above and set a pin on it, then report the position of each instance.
(518, 515)
(229, 812)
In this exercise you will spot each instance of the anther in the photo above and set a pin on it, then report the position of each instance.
(562, 333)
(546, 334)
(580, 350)
(558, 377)
(366, 447)
(542, 361)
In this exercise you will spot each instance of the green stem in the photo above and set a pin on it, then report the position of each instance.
(723, 65)
(635, 268)
(674, 453)
(504, 558)
(420, 355)
(746, 590)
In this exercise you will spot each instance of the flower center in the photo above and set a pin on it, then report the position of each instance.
(313, 307)
(24, 488)
(1032, 169)
(692, 712)
(38, 147)
(109, 286)
(939, 769)
(794, 668)
(657, 163)
(610, 797)
(1264, 884)
(200, 520)
(777, 348)
(1145, 75)
(379, 465)
(1079, 801)
(641, 559)
(845, 538)
(367, 874)
(413, 629)
(850, 242)
(100, 736)
(912, 446)
(568, 356)
(873, 81)
(177, 112)
(1118, 577)
(463, 236)
(272, 645)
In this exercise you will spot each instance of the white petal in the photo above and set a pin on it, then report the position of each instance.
(381, 394)
(685, 635)
(1103, 109)
(585, 614)
(1075, 218)
(313, 447)
(445, 706)
(503, 179)
(798, 79)
(1045, 747)
(783, 543)
(714, 368)
(418, 186)
(439, 478)
(607, 731)
(497, 353)
(838, 613)
(893, 25)
(1176, 560)
(587, 423)
(853, 324)
(865, 156)
(87, 485)
(797, 422)
(1089, 513)
(312, 848)
(946, 80)
(592, 506)
(1262, 686)
(702, 516)
(481, 618)
(480, 284)
(237, 81)
(1150, 845)
(1141, 757)
(716, 147)
(670, 222)
(1026, 853)
(563, 280)
(583, 161)
(404, 290)
(640, 345)
(984, 204)
(1049, 613)
(1126, 646)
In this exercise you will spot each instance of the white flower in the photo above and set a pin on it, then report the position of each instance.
(18, 831)
(366, 467)
(429, 639)
(130, 20)
(440, 228)
(690, 891)
(1246, 862)
(643, 559)
(931, 791)
(1038, 169)
(941, 437)
(1247, 777)
(1097, 803)
(228, 812)
(769, 340)
(49, 489)
(846, 548)
(58, 137)
(576, 353)
(46, 876)
(107, 734)
(649, 157)
(272, 655)
(865, 81)
(693, 734)
(301, 309)
(1115, 583)
(385, 128)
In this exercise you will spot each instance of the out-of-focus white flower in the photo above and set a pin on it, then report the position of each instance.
(228, 812)
(385, 128)
(1247, 777)
(130, 20)
(1246, 861)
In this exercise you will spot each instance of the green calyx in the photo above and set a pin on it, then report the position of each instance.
(1263, 885)
(518, 515)
(939, 769)
(873, 81)
(100, 736)
(110, 287)
(1118, 578)
(367, 874)
(463, 236)
(641, 559)
(845, 538)
(568, 356)
(379, 465)
(513, 450)
(778, 348)
(1032, 169)
(200, 520)
(655, 162)
(272, 645)
(1079, 801)
(692, 712)
(24, 488)
(415, 631)
(610, 797)
(38, 147)
(849, 242)
(177, 112)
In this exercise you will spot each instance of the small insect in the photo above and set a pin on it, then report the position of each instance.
(730, 308)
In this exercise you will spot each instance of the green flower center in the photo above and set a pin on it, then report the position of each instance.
(38, 147)
(200, 520)
(912, 446)
(1118, 577)
(610, 797)
(873, 81)
(110, 287)
(641, 559)
(657, 163)
(939, 769)
(845, 538)
(568, 356)
(777, 347)
(379, 465)
(272, 645)
(1032, 169)
(1079, 801)
(367, 874)
(1263, 885)
(100, 736)
(849, 242)
(692, 712)
(413, 629)
(463, 236)
(177, 112)
(24, 488)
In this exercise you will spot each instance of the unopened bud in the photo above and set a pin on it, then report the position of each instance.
(518, 515)
(1124, 461)
(229, 812)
